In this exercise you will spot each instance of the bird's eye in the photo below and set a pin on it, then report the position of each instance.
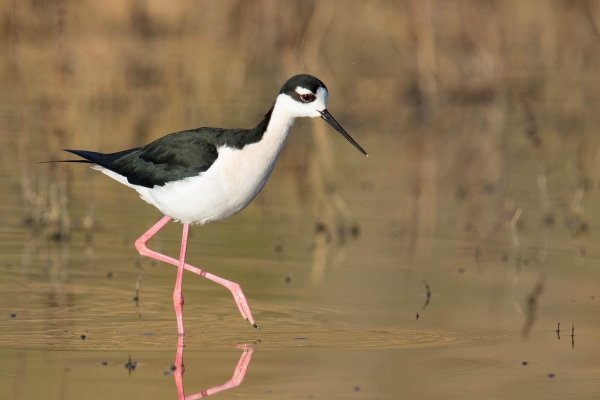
(307, 97)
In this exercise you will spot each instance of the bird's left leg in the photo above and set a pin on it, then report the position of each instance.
(140, 245)
(177, 294)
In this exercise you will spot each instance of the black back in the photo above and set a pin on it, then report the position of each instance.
(176, 156)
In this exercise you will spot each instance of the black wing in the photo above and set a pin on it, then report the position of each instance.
(171, 158)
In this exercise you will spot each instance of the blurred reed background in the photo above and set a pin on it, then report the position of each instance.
(463, 105)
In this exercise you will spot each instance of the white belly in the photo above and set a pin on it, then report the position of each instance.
(228, 186)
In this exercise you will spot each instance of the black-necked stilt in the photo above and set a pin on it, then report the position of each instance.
(208, 174)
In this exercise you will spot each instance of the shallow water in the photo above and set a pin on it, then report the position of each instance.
(353, 334)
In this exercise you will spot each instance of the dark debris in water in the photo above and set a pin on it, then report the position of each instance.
(83, 337)
(109, 275)
(172, 369)
(300, 338)
(357, 388)
(551, 375)
(532, 303)
(104, 363)
(524, 363)
(428, 294)
(131, 365)
(13, 315)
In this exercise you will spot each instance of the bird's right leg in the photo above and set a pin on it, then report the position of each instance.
(233, 287)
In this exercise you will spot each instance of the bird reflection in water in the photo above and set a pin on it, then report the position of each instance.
(238, 374)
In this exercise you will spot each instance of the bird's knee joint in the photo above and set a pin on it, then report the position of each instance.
(178, 299)
(141, 246)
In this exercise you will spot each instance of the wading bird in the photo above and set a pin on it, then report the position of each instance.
(208, 174)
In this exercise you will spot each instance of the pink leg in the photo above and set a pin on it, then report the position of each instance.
(233, 287)
(236, 380)
(177, 293)
(179, 369)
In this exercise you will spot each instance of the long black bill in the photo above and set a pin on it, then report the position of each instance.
(327, 117)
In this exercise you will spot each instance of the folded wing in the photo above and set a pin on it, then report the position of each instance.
(171, 158)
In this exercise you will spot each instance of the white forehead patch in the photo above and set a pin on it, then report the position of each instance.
(300, 90)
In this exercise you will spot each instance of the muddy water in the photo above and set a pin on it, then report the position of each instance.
(353, 333)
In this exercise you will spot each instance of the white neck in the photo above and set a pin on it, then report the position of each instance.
(248, 169)
(282, 120)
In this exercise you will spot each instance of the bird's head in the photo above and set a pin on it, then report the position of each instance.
(306, 96)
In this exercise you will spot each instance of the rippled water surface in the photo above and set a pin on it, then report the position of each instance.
(352, 334)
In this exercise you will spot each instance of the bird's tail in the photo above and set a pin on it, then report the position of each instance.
(90, 157)
(74, 161)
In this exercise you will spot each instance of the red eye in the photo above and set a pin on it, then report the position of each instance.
(307, 97)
